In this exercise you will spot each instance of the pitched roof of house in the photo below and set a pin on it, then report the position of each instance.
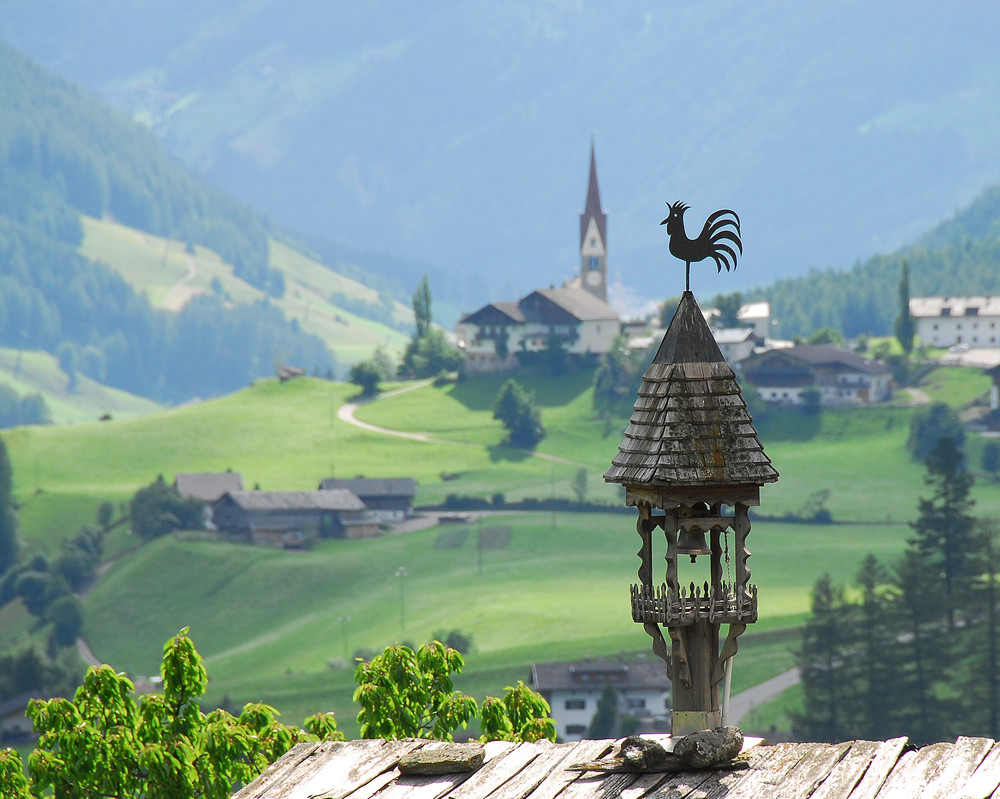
(593, 204)
(371, 768)
(829, 355)
(335, 499)
(690, 425)
(732, 335)
(373, 486)
(931, 307)
(596, 673)
(208, 486)
(553, 306)
(495, 313)
(577, 302)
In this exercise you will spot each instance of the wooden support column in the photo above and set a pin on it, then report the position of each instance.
(695, 706)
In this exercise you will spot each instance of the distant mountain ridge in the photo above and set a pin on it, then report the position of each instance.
(458, 134)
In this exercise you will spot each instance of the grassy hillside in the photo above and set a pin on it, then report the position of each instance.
(170, 276)
(270, 621)
(39, 372)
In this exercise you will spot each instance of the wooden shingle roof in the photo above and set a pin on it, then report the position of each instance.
(690, 425)
(333, 499)
(370, 769)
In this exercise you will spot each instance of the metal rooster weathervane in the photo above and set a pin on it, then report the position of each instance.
(719, 239)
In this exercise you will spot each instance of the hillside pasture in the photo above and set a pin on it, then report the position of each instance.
(955, 385)
(262, 616)
(170, 275)
(37, 372)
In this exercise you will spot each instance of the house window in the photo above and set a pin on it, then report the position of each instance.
(576, 704)
(636, 703)
(576, 729)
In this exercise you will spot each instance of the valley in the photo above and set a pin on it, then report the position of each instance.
(282, 627)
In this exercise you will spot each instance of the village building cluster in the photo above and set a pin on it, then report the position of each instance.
(578, 318)
(339, 508)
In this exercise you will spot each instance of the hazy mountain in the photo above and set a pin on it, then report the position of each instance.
(458, 133)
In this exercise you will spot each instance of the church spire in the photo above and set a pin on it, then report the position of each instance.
(594, 237)
(592, 209)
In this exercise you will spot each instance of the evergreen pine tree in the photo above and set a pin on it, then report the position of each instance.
(944, 532)
(904, 321)
(829, 690)
(9, 533)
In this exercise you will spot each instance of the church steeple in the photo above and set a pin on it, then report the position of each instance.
(593, 238)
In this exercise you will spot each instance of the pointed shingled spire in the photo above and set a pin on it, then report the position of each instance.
(593, 204)
(690, 425)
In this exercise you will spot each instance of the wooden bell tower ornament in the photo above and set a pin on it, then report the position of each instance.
(692, 465)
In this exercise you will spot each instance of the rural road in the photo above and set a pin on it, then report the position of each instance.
(742, 703)
(346, 413)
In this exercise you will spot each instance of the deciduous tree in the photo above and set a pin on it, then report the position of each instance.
(516, 410)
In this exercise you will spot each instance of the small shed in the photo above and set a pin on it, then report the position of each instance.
(374, 769)
(389, 498)
(293, 518)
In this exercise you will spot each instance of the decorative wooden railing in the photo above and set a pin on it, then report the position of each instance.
(657, 604)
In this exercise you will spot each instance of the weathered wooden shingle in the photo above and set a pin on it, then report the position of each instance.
(690, 425)
(970, 767)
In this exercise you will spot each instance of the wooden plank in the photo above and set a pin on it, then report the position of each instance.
(372, 787)
(582, 752)
(817, 762)
(965, 757)
(598, 785)
(505, 764)
(848, 771)
(755, 782)
(550, 758)
(685, 785)
(882, 763)
(913, 771)
(985, 780)
(354, 764)
(299, 757)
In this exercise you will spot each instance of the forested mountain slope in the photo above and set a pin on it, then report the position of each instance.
(458, 133)
(64, 154)
(959, 256)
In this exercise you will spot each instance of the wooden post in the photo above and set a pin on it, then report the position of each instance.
(696, 706)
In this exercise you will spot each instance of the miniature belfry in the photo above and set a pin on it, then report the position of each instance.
(692, 465)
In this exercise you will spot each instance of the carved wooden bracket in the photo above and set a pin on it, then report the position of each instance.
(660, 648)
(682, 668)
(729, 649)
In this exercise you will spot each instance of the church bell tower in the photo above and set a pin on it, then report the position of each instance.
(593, 239)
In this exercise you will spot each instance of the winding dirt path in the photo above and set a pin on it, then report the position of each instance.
(180, 293)
(346, 413)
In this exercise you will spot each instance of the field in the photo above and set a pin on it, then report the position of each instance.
(271, 623)
(170, 275)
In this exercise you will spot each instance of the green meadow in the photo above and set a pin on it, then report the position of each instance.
(170, 275)
(282, 626)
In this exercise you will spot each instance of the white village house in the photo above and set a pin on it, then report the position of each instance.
(949, 321)
(573, 689)
(493, 335)
(842, 377)
(577, 315)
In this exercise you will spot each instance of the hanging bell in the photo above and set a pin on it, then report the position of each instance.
(692, 542)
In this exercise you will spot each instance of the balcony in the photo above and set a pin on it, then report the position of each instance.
(657, 604)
